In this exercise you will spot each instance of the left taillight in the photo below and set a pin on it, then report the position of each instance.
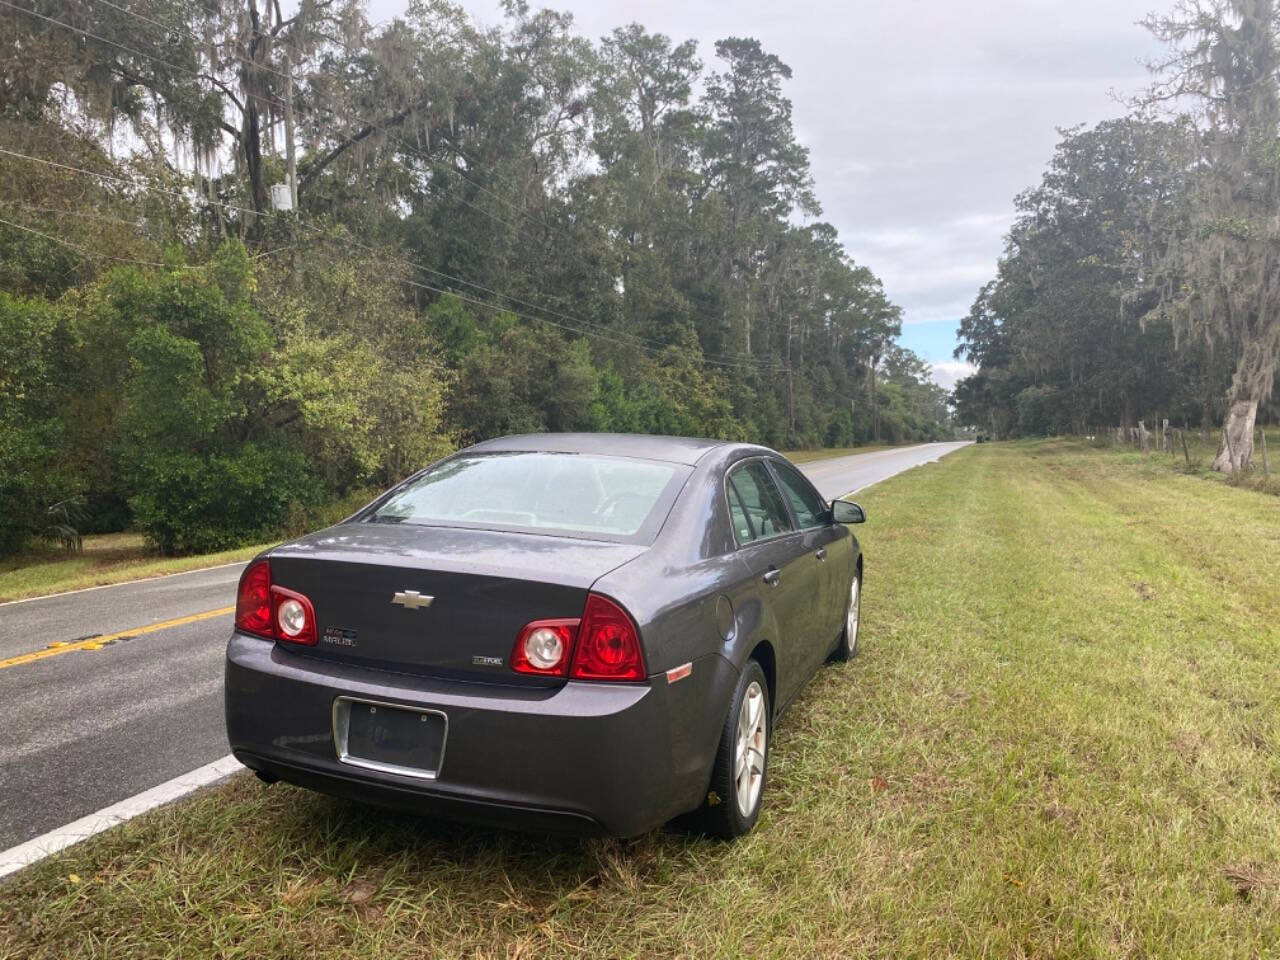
(272, 611)
(253, 600)
(608, 646)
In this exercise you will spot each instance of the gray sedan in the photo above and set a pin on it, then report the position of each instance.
(588, 631)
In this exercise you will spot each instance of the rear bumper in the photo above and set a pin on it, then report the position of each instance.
(584, 757)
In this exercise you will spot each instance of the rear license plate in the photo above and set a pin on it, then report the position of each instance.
(407, 741)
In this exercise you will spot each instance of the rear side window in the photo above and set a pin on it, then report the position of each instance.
(810, 509)
(755, 505)
(742, 531)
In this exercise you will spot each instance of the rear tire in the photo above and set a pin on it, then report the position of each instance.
(847, 646)
(742, 760)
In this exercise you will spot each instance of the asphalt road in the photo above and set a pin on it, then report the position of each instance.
(94, 725)
(840, 475)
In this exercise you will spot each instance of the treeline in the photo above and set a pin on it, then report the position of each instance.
(1141, 279)
(496, 230)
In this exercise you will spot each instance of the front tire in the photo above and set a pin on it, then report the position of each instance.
(847, 646)
(742, 760)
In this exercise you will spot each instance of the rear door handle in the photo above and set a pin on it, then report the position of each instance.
(822, 553)
(773, 576)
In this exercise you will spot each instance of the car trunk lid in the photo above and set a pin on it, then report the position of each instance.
(439, 601)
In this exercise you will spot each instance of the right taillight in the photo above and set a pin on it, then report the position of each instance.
(608, 646)
(253, 600)
(601, 645)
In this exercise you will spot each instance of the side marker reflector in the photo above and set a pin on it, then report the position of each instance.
(679, 673)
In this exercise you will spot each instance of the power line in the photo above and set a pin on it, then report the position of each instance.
(445, 291)
(368, 123)
(77, 248)
(201, 76)
(583, 329)
(82, 214)
(120, 46)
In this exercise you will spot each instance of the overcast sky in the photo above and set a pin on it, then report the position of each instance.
(923, 118)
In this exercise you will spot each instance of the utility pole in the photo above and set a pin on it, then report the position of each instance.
(288, 134)
(791, 397)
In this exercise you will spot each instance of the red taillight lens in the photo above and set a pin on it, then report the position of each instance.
(544, 648)
(253, 600)
(608, 646)
(271, 611)
(293, 619)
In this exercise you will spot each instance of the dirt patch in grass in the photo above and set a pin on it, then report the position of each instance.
(1027, 759)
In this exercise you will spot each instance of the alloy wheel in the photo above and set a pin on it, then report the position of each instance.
(749, 751)
(851, 618)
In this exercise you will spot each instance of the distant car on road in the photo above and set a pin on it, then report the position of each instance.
(561, 630)
(982, 438)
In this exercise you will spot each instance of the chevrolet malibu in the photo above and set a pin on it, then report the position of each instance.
(587, 631)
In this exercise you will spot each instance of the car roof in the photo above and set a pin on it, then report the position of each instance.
(686, 450)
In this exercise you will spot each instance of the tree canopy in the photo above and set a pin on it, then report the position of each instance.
(498, 230)
(1141, 279)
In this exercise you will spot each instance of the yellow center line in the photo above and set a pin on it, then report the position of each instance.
(94, 643)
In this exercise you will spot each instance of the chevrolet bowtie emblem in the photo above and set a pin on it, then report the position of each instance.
(412, 599)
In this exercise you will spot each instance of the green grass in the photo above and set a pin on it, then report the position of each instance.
(1196, 459)
(1061, 739)
(830, 453)
(107, 558)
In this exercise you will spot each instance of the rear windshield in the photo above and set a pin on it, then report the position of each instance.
(597, 497)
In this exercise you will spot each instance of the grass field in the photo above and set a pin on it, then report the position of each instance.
(1197, 456)
(107, 558)
(1061, 739)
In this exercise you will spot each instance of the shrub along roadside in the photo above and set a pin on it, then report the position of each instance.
(134, 384)
(201, 504)
(1054, 742)
(110, 558)
(210, 406)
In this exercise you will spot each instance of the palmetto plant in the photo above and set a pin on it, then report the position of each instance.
(61, 520)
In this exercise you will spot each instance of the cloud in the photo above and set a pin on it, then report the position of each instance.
(947, 373)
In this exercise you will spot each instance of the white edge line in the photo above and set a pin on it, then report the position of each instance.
(124, 583)
(24, 854)
(936, 459)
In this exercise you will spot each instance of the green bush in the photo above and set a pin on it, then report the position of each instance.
(188, 503)
(33, 474)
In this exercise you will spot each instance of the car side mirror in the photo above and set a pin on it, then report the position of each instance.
(846, 511)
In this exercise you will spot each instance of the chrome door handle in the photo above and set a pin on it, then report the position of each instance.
(822, 553)
(773, 577)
